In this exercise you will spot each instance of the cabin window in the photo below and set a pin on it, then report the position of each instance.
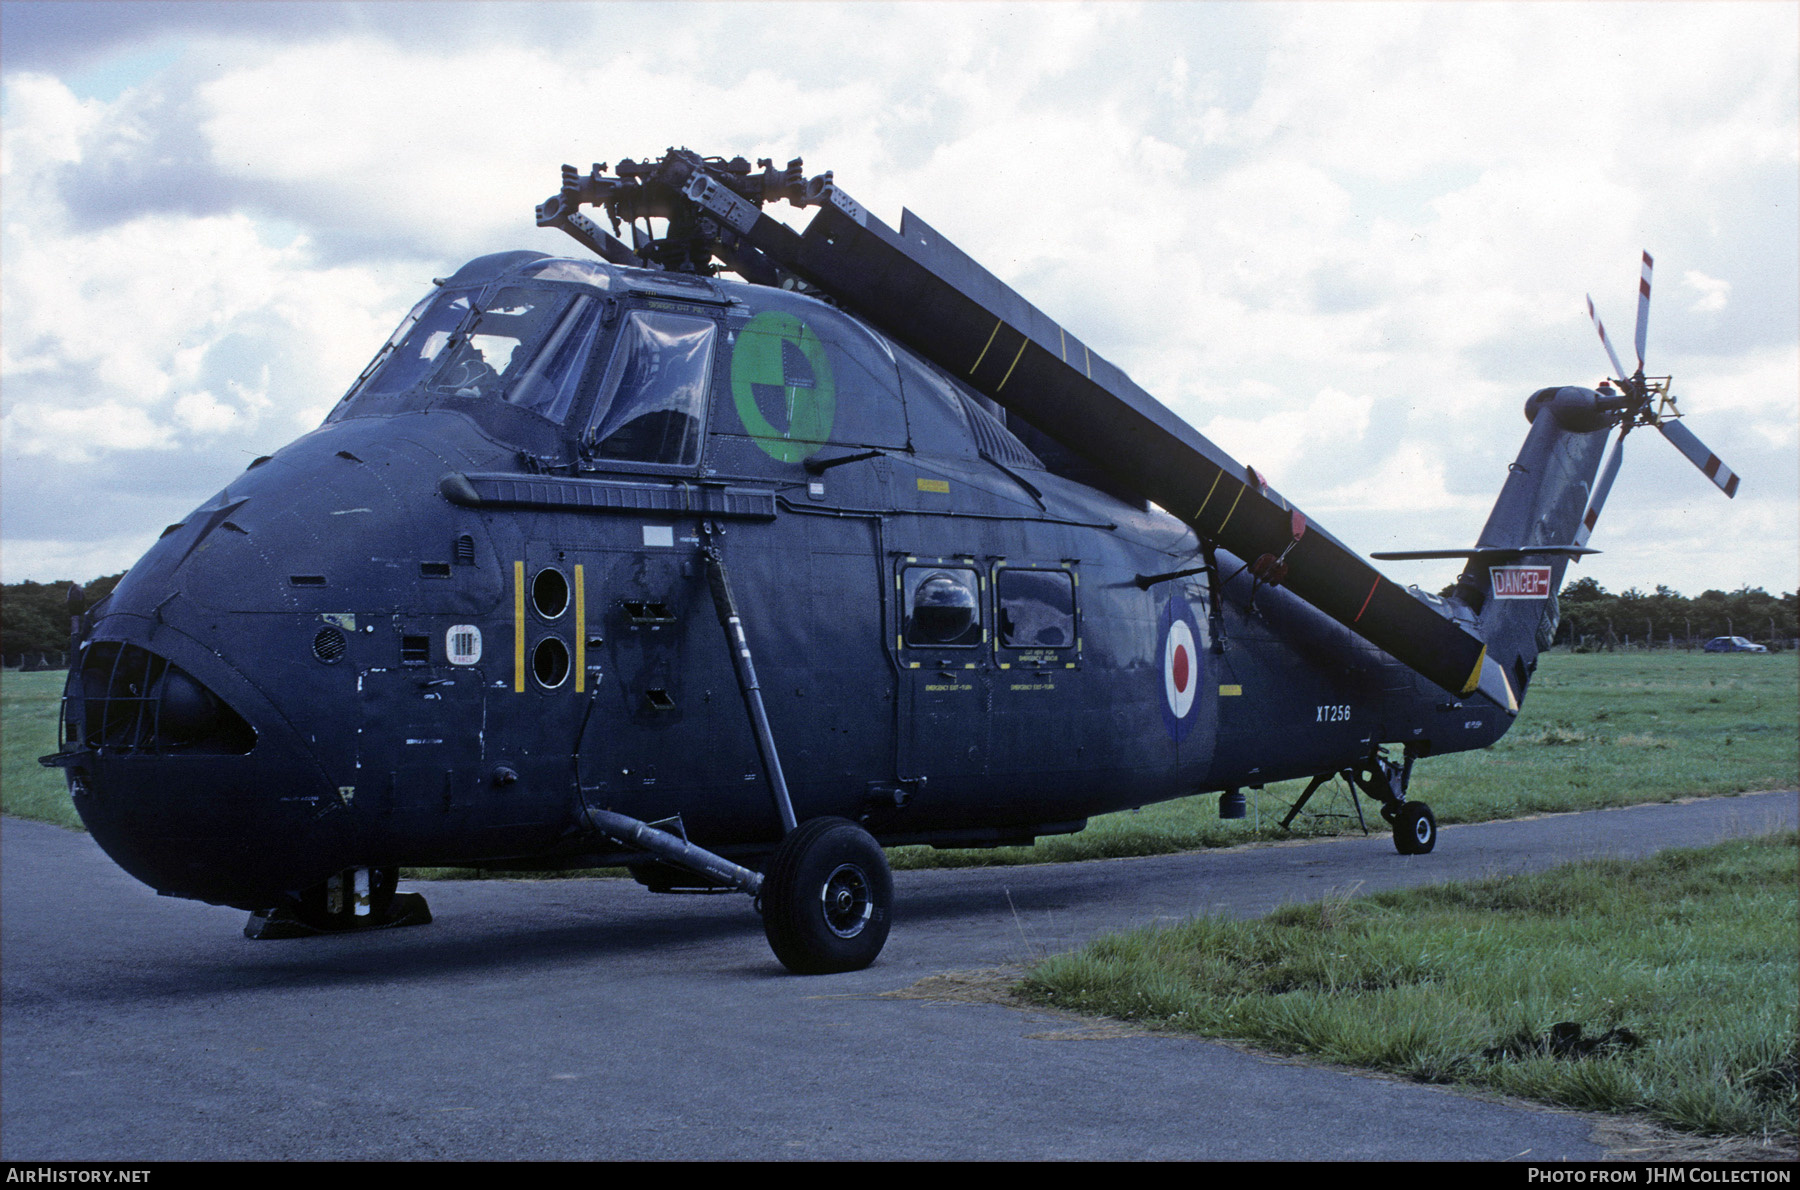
(1037, 608)
(942, 607)
(653, 398)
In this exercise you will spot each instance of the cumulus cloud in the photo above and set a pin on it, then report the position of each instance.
(1344, 240)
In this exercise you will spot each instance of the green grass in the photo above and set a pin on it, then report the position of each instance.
(1692, 952)
(1596, 730)
(28, 709)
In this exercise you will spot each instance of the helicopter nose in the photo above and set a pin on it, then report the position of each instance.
(188, 778)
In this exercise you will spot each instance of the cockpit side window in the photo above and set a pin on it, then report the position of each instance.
(652, 403)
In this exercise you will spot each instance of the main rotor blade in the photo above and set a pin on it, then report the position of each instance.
(1643, 308)
(1709, 463)
(1602, 488)
(1618, 368)
(924, 291)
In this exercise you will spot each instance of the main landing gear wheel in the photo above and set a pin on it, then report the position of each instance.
(827, 898)
(1415, 830)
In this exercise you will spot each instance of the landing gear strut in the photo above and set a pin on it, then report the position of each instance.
(1415, 830)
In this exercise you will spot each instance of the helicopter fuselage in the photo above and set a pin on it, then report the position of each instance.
(474, 601)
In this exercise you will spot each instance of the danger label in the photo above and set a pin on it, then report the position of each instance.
(1520, 582)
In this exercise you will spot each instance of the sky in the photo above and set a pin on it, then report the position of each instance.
(1344, 241)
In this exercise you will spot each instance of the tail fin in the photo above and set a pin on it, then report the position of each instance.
(1536, 527)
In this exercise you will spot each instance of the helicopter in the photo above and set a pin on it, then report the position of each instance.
(737, 553)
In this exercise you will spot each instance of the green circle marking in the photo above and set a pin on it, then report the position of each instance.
(764, 357)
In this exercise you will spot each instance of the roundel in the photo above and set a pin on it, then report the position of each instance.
(781, 383)
(1180, 667)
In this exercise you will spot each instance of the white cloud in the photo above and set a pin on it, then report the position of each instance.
(1347, 240)
(1713, 292)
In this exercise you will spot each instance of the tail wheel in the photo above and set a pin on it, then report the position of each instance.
(1415, 830)
(827, 898)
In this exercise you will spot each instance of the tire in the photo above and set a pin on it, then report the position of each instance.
(1415, 830)
(827, 898)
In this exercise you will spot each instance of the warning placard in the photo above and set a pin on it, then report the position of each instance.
(1520, 582)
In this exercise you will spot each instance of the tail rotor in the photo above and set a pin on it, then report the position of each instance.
(1645, 401)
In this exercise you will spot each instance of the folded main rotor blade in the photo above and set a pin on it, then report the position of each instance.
(1709, 463)
(1618, 368)
(1643, 309)
(924, 291)
(1608, 473)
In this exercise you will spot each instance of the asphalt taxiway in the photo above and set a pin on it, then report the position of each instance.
(590, 1020)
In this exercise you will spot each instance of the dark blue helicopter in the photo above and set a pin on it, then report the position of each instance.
(613, 562)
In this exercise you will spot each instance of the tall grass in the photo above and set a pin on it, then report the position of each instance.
(1682, 967)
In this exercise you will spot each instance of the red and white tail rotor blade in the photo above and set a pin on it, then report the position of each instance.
(1608, 473)
(1618, 368)
(1643, 310)
(1709, 463)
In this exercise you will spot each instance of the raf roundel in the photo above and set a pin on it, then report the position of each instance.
(1180, 668)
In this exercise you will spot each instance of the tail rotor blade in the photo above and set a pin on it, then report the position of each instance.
(1602, 488)
(1618, 368)
(1643, 309)
(1709, 463)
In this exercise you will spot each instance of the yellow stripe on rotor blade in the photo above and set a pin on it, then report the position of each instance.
(1014, 364)
(1232, 509)
(985, 346)
(1209, 494)
(1475, 674)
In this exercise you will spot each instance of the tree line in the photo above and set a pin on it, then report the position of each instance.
(1594, 618)
(34, 617)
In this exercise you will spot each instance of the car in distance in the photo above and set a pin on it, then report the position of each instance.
(1733, 644)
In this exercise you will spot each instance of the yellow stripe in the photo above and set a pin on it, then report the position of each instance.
(985, 346)
(518, 627)
(1232, 509)
(1475, 674)
(580, 632)
(1228, 691)
(1014, 364)
(1209, 492)
(1063, 338)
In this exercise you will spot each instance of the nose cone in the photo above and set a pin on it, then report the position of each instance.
(187, 777)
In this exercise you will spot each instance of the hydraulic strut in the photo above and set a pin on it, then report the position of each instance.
(733, 624)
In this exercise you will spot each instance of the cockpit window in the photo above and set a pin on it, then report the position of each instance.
(653, 399)
(548, 386)
(494, 345)
(415, 345)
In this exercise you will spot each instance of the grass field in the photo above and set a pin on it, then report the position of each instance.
(1677, 975)
(1602, 729)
